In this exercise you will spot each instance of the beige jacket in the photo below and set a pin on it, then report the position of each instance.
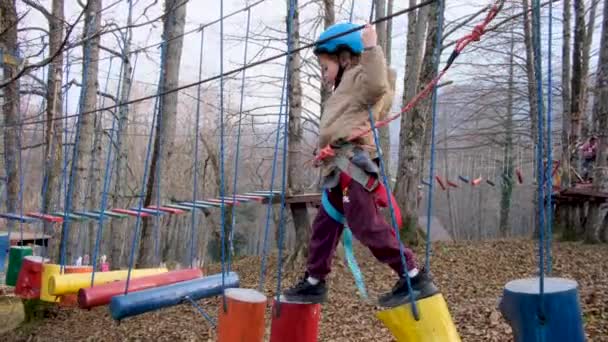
(370, 82)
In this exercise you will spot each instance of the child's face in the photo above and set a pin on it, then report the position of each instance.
(329, 68)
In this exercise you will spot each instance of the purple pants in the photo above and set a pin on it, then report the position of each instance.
(364, 220)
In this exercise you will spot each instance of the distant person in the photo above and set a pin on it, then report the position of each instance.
(355, 66)
(589, 152)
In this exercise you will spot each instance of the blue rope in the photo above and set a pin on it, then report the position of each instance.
(539, 155)
(146, 163)
(549, 139)
(392, 211)
(201, 311)
(196, 132)
(63, 181)
(285, 161)
(429, 211)
(238, 141)
(107, 176)
(272, 176)
(73, 169)
(160, 107)
(222, 202)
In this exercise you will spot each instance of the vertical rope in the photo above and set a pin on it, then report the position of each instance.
(436, 60)
(549, 138)
(281, 227)
(539, 150)
(109, 158)
(272, 176)
(352, 10)
(194, 227)
(238, 142)
(222, 202)
(146, 163)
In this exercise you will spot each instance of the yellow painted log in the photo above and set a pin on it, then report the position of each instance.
(48, 271)
(71, 283)
(435, 322)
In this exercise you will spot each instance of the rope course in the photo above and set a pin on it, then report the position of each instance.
(136, 299)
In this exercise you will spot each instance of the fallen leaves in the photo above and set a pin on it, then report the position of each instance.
(470, 275)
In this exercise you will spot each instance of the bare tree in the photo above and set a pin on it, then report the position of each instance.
(413, 126)
(79, 178)
(164, 141)
(597, 220)
(120, 198)
(296, 157)
(10, 107)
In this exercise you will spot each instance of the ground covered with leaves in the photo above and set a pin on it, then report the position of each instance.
(470, 275)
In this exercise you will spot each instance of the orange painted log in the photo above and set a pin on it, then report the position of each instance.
(243, 320)
(71, 300)
(295, 322)
(30, 277)
(102, 294)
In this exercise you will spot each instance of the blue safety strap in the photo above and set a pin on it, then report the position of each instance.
(331, 210)
(347, 241)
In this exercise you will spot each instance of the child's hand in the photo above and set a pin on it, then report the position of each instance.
(369, 36)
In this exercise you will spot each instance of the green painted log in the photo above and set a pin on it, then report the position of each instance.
(15, 259)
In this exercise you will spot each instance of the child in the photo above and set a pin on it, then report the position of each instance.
(589, 151)
(356, 68)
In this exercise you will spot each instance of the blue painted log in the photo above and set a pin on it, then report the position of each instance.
(136, 303)
(561, 317)
(17, 217)
(3, 250)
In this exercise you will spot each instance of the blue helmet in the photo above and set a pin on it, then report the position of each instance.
(351, 41)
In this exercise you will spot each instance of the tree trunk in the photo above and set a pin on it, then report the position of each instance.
(328, 19)
(164, 140)
(585, 65)
(383, 36)
(53, 151)
(532, 96)
(597, 212)
(82, 151)
(389, 31)
(411, 137)
(119, 199)
(295, 171)
(566, 102)
(578, 79)
(10, 108)
(507, 185)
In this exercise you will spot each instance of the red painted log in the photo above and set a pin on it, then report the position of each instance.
(440, 182)
(30, 277)
(165, 209)
(295, 322)
(130, 212)
(102, 294)
(45, 217)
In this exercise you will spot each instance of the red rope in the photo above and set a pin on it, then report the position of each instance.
(474, 36)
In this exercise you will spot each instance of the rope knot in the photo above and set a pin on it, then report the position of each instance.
(478, 31)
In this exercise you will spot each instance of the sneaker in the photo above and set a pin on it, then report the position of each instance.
(422, 287)
(305, 292)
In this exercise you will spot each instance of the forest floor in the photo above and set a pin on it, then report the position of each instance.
(471, 276)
